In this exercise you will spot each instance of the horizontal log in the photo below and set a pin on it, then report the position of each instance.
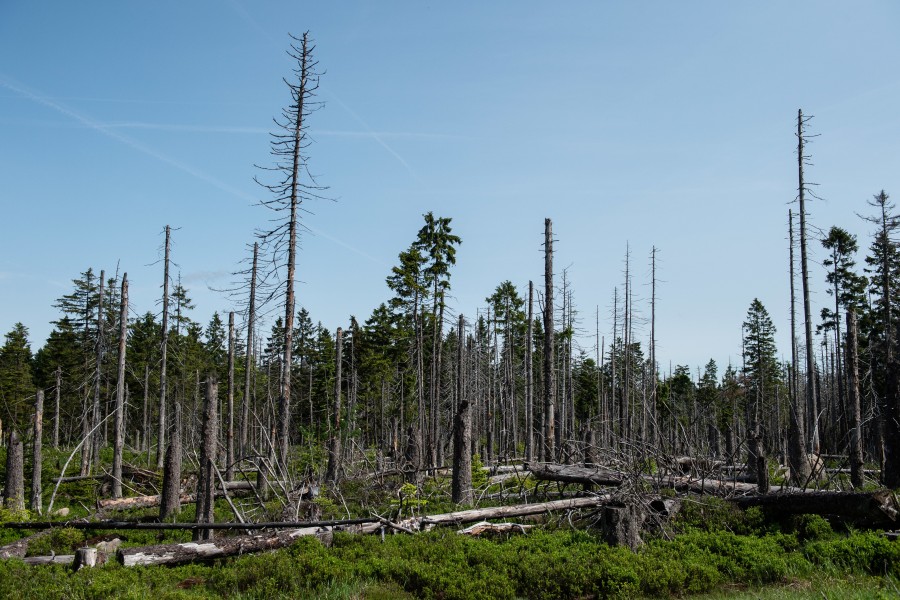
(877, 507)
(133, 525)
(138, 502)
(57, 559)
(486, 527)
(576, 474)
(176, 554)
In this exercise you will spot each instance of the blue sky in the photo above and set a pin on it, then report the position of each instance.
(642, 124)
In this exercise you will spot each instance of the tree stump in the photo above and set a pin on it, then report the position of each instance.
(14, 491)
(621, 525)
(84, 558)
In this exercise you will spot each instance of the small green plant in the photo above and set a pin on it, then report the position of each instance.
(479, 475)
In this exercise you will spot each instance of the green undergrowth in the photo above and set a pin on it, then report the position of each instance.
(542, 564)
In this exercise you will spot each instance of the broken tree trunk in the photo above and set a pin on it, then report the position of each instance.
(334, 442)
(874, 508)
(576, 474)
(176, 554)
(461, 484)
(19, 548)
(206, 482)
(14, 491)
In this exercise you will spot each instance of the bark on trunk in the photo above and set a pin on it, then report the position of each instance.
(461, 491)
(853, 405)
(206, 479)
(549, 347)
(119, 439)
(334, 443)
(14, 491)
(229, 435)
(37, 455)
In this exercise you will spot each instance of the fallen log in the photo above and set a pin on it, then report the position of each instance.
(486, 527)
(137, 502)
(176, 554)
(19, 548)
(56, 559)
(875, 508)
(575, 474)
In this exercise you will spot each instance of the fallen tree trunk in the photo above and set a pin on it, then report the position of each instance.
(19, 548)
(56, 559)
(176, 554)
(875, 508)
(575, 474)
(137, 502)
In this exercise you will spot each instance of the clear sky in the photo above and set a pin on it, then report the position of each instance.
(630, 124)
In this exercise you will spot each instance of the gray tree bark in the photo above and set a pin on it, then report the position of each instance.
(119, 439)
(549, 346)
(206, 479)
(161, 436)
(853, 408)
(229, 435)
(14, 490)
(334, 442)
(38, 435)
(461, 484)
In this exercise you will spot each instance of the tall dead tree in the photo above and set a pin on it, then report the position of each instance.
(57, 396)
(461, 485)
(164, 344)
(288, 147)
(529, 377)
(811, 395)
(119, 439)
(549, 357)
(797, 457)
(334, 442)
(248, 359)
(229, 434)
(36, 451)
(853, 405)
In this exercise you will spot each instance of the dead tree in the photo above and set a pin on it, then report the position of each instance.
(14, 490)
(206, 479)
(334, 442)
(853, 408)
(811, 397)
(529, 378)
(229, 435)
(461, 485)
(56, 408)
(161, 435)
(288, 147)
(248, 359)
(549, 346)
(36, 447)
(797, 457)
(119, 440)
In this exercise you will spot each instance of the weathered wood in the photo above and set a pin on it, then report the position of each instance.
(461, 483)
(206, 482)
(229, 431)
(174, 554)
(878, 507)
(576, 474)
(56, 559)
(549, 355)
(19, 548)
(14, 490)
(853, 404)
(84, 558)
(621, 525)
(486, 527)
(37, 455)
(334, 441)
(119, 420)
(138, 502)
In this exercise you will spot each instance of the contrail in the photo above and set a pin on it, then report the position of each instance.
(34, 96)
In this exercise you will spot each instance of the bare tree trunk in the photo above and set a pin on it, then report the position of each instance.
(853, 408)
(145, 431)
(161, 436)
(56, 408)
(170, 503)
(549, 346)
(462, 492)
(797, 457)
(248, 362)
(92, 415)
(529, 378)
(811, 397)
(334, 443)
(206, 479)
(119, 439)
(36, 447)
(14, 491)
(229, 436)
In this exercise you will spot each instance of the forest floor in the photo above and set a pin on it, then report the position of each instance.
(710, 549)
